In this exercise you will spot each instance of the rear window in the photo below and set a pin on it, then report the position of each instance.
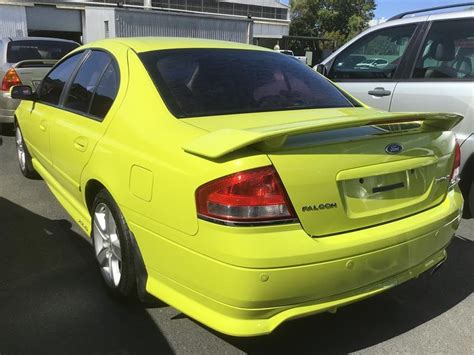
(38, 49)
(204, 82)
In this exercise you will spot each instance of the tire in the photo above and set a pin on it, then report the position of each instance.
(23, 155)
(113, 247)
(470, 201)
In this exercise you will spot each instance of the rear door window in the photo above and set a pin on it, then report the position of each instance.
(105, 93)
(18, 51)
(83, 86)
(447, 52)
(203, 82)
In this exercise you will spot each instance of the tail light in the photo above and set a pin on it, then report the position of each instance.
(10, 79)
(456, 165)
(248, 197)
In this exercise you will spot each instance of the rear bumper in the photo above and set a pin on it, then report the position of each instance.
(7, 107)
(249, 301)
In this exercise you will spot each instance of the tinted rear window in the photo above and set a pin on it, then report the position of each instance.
(38, 49)
(204, 82)
(105, 93)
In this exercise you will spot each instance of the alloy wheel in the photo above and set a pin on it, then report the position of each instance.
(107, 245)
(20, 149)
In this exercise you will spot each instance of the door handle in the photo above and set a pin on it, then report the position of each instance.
(43, 126)
(80, 144)
(379, 92)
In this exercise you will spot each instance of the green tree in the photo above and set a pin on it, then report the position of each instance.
(339, 20)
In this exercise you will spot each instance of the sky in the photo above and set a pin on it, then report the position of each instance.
(389, 8)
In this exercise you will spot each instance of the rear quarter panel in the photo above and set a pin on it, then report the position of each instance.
(141, 162)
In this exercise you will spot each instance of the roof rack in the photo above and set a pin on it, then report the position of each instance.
(403, 14)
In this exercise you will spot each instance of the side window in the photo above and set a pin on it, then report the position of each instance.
(448, 51)
(373, 57)
(105, 93)
(53, 84)
(83, 86)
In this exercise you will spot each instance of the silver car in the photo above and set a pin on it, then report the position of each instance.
(430, 67)
(25, 61)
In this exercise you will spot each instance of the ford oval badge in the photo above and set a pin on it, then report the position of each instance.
(393, 148)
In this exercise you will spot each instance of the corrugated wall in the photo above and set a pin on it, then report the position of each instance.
(12, 21)
(146, 23)
(265, 29)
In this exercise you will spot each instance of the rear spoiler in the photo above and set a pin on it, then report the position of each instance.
(35, 63)
(222, 142)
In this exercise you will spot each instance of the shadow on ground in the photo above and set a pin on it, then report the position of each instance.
(7, 129)
(377, 319)
(52, 299)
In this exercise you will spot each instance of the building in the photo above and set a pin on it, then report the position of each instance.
(262, 22)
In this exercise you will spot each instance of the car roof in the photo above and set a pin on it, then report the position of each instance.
(452, 15)
(402, 21)
(13, 39)
(424, 17)
(146, 44)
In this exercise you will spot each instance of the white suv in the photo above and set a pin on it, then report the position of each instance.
(430, 67)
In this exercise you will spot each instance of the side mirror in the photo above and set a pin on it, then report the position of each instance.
(321, 69)
(22, 92)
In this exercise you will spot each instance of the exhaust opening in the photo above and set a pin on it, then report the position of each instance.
(438, 266)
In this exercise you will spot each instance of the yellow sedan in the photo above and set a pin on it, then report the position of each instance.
(235, 183)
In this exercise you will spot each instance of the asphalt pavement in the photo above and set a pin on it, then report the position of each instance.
(52, 300)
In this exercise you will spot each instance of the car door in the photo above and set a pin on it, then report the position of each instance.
(36, 126)
(354, 71)
(442, 76)
(85, 105)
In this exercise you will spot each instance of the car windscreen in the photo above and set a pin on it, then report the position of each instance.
(205, 82)
(38, 49)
